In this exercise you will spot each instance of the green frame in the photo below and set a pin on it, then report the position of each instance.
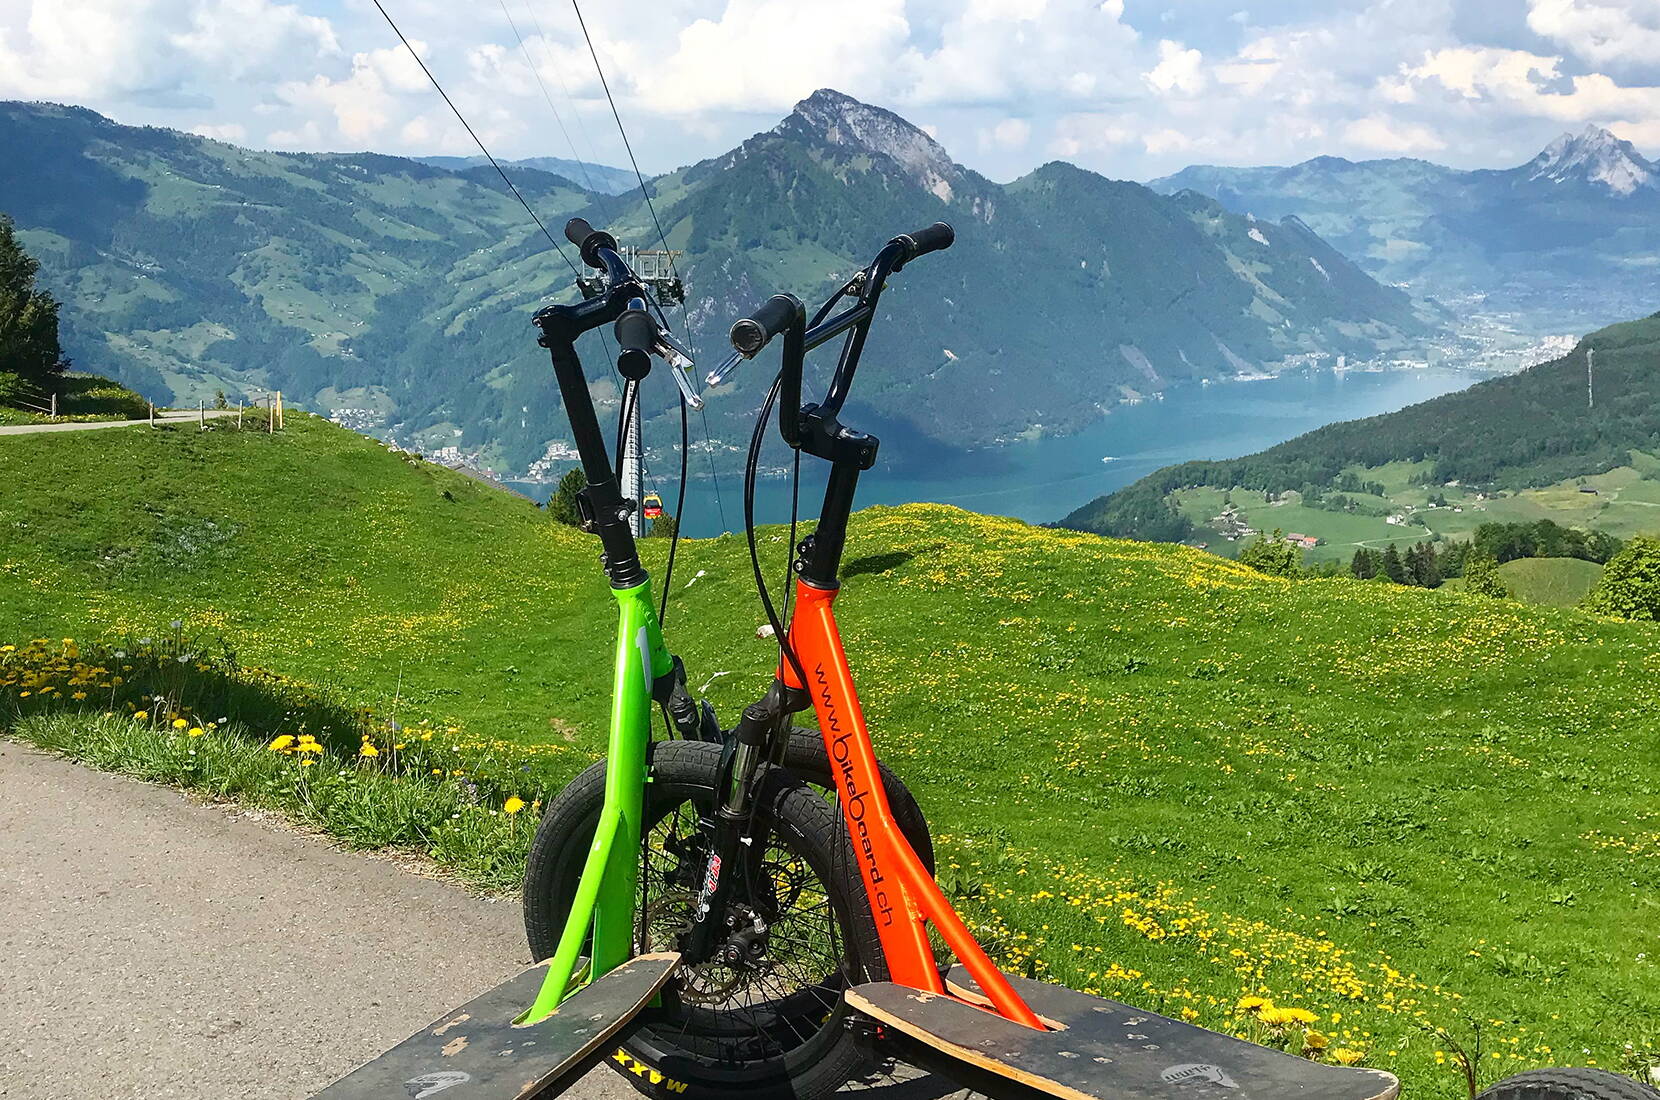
(606, 892)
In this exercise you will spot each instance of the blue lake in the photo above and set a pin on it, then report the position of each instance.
(1044, 479)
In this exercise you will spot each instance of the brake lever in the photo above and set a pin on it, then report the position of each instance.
(677, 367)
(720, 373)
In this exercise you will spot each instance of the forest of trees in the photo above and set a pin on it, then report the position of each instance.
(1427, 564)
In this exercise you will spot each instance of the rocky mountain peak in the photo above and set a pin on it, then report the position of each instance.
(1594, 155)
(829, 116)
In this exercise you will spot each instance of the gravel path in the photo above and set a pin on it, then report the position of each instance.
(176, 416)
(158, 947)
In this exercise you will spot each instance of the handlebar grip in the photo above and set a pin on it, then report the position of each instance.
(578, 230)
(932, 239)
(587, 239)
(752, 333)
(636, 334)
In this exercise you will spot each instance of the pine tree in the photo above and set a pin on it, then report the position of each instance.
(1392, 566)
(1364, 565)
(562, 505)
(1423, 569)
(663, 527)
(29, 347)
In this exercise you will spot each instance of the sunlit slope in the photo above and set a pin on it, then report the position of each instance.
(1156, 773)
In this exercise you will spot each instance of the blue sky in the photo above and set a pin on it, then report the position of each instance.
(1132, 89)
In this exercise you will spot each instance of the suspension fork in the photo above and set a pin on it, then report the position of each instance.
(732, 853)
(606, 894)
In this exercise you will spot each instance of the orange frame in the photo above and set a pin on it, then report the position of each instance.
(903, 895)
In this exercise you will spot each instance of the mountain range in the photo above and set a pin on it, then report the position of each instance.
(599, 178)
(394, 292)
(1570, 239)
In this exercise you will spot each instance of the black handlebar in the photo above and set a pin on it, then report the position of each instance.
(636, 333)
(933, 239)
(589, 241)
(754, 332)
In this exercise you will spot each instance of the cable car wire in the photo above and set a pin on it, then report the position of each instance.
(470, 133)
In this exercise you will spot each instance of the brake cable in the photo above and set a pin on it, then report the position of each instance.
(752, 461)
(679, 508)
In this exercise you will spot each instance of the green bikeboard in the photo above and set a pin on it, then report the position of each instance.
(537, 1031)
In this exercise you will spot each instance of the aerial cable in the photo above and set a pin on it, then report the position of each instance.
(558, 120)
(470, 133)
(604, 84)
(581, 126)
(662, 239)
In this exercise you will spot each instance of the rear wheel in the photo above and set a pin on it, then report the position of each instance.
(771, 1028)
(1575, 1083)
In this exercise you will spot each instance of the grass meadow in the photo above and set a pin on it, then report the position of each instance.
(1427, 821)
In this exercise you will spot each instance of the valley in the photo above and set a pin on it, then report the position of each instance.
(1575, 440)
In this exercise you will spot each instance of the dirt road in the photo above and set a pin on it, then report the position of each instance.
(158, 947)
(176, 416)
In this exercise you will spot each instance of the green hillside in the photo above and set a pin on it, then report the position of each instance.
(1154, 773)
(1522, 447)
(396, 293)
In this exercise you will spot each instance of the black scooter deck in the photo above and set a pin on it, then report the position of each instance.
(1104, 1049)
(477, 1053)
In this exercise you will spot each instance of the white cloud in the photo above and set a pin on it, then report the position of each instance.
(1610, 31)
(1179, 69)
(1011, 133)
(751, 57)
(155, 50)
(1518, 81)
(1013, 52)
(1000, 82)
(1390, 136)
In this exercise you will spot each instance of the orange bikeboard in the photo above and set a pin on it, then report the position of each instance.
(1022, 1034)
(1095, 1049)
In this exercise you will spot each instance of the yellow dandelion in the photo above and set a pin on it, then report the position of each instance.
(1253, 1004)
(78, 696)
(1347, 1056)
(139, 716)
(282, 743)
(368, 750)
(513, 805)
(308, 746)
(196, 731)
(179, 723)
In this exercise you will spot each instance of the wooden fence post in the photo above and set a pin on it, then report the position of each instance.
(282, 421)
(201, 411)
(54, 404)
(152, 414)
(239, 414)
(270, 414)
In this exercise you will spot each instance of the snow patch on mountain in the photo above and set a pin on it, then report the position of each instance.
(1595, 156)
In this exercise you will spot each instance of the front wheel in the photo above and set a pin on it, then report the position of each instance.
(774, 1026)
(1573, 1083)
